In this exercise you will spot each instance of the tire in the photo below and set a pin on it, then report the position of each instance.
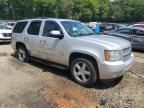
(84, 72)
(22, 54)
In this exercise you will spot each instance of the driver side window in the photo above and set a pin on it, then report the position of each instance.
(124, 31)
(50, 26)
(139, 32)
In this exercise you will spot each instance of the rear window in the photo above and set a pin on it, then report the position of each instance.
(20, 27)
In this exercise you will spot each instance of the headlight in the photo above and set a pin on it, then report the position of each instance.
(113, 55)
(1, 35)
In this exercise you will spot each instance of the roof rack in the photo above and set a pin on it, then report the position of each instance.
(36, 18)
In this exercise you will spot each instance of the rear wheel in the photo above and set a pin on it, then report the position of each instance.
(22, 54)
(84, 72)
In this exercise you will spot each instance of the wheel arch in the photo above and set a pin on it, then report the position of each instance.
(75, 55)
(18, 44)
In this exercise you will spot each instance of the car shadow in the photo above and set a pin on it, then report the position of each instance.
(138, 50)
(106, 84)
(48, 67)
(101, 84)
(65, 72)
(5, 43)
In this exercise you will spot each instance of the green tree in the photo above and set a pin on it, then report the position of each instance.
(104, 10)
(86, 15)
(64, 8)
(85, 10)
(127, 10)
(44, 8)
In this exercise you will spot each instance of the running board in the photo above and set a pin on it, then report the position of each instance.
(47, 63)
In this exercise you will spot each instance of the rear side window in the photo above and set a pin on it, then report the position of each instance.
(20, 27)
(124, 31)
(138, 32)
(34, 28)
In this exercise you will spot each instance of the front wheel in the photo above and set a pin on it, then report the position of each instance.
(84, 72)
(22, 54)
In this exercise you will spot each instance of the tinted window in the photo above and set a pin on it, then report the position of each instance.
(34, 28)
(20, 27)
(124, 31)
(139, 32)
(50, 26)
(110, 27)
(3, 26)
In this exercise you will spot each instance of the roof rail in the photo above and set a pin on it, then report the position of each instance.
(36, 18)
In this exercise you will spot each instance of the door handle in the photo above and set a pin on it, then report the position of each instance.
(25, 39)
(43, 42)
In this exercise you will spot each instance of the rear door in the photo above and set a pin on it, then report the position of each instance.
(124, 33)
(18, 31)
(138, 38)
(32, 37)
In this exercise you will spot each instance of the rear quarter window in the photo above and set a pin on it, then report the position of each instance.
(20, 27)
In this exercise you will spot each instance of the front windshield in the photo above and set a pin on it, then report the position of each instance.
(75, 29)
(3, 26)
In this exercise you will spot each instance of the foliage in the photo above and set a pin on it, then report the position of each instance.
(84, 10)
(127, 10)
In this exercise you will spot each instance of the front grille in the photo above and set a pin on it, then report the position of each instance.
(126, 53)
(7, 34)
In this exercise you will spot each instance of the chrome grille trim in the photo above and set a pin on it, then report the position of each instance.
(7, 34)
(126, 53)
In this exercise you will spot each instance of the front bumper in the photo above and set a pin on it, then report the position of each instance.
(110, 70)
(5, 40)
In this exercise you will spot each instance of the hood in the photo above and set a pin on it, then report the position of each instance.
(5, 31)
(108, 41)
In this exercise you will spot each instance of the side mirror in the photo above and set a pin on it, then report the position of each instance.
(56, 34)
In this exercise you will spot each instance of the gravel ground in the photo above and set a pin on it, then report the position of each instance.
(58, 90)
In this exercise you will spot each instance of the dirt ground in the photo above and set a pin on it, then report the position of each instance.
(35, 85)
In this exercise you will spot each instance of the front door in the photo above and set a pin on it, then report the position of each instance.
(52, 48)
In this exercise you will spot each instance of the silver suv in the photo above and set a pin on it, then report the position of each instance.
(70, 43)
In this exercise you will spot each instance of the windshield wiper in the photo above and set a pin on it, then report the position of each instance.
(80, 34)
(91, 34)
